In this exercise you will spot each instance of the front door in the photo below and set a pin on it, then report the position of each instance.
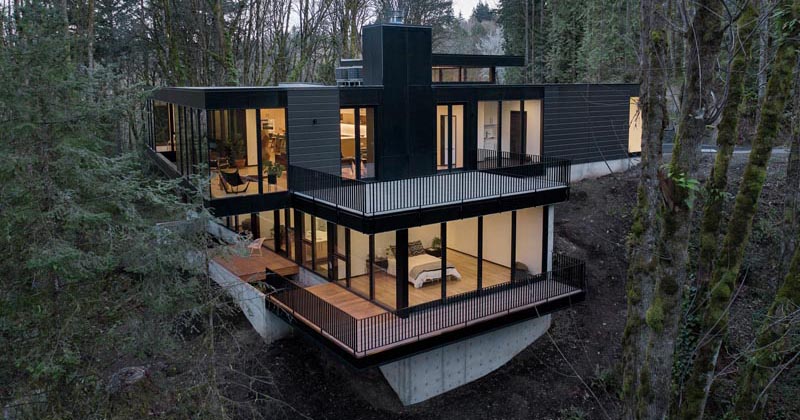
(517, 143)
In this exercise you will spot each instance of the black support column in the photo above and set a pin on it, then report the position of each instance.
(499, 134)
(371, 267)
(298, 237)
(401, 256)
(513, 245)
(443, 257)
(333, 260)
(545, 237)
(480, 253)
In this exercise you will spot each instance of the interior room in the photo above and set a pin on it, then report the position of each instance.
(233, 146)
(357, 142)
(516, 133)
(427, 247)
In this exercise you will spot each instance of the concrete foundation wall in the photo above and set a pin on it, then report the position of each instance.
(597, 169)
(426, 375)
(251, 300)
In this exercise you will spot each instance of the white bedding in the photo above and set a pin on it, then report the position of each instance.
(426, 276)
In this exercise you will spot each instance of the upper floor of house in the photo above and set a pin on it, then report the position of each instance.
(412, 138)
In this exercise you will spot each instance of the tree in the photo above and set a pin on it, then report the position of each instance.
(482, 12)
(85, 267)
(714, 318)
(657, 287)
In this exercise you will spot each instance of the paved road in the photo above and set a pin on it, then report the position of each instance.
(707, 148)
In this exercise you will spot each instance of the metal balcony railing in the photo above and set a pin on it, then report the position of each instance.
(369, 335)
(498, 175)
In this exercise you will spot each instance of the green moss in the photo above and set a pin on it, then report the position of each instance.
(654, 317)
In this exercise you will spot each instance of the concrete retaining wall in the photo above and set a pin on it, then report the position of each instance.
(251, 300)
(597, 169)
(426, 375)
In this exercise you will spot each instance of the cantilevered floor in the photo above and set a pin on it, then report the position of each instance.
(386, 197)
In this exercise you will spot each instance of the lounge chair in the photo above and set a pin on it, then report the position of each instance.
(232, 182)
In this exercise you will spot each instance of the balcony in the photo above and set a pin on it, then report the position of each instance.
(367, 333)
(498, 177)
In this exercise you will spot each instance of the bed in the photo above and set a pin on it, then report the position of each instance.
(424, 268)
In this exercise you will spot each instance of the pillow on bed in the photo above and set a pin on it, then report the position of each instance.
(415, 248)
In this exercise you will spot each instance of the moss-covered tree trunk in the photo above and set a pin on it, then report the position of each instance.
(771, 347)
(642, 241)
(791, 217)
(673, 214)
(714, 319)
(727, 134)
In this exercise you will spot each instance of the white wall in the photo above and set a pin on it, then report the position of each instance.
(462, 235)
(487, 125)
(252, 137)
(533, 133)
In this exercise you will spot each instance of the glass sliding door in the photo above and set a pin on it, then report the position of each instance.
(357, 131)
(449, 137)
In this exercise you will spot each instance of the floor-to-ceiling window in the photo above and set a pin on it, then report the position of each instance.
(508, 130)
(449, 137)
(357, 130)
(274, 156)
(246, 151)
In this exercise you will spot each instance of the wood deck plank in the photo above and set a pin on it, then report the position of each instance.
(252, 268)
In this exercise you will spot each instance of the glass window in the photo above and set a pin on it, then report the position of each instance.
(449, 136)
(273, 149)
(162, 129)
(233, 153)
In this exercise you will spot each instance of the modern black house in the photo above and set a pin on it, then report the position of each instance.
(411, 206)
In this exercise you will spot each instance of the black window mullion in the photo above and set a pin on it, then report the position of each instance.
(259, 158)
(450, 151)
(357, 141)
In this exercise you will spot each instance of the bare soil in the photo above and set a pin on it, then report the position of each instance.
(570, 373)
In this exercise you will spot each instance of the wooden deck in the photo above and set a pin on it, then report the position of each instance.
(352, 304)
(252, 268)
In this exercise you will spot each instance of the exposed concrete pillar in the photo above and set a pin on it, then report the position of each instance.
(426, 375)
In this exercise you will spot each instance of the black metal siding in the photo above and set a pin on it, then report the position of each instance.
(587, 123)
(313, 129)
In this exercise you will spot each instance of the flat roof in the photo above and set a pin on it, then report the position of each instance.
(232, 97)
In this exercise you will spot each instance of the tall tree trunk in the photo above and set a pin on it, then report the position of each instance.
(642, 256)
(728, 133)
(792, 202)
(90, 37)
(674, 211)
(765, 7)
(771, 347)
(714, 321)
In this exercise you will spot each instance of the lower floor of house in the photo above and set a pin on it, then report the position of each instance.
(410, 267)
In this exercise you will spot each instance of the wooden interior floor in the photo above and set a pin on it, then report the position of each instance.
(252, 268)
(467, 265)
